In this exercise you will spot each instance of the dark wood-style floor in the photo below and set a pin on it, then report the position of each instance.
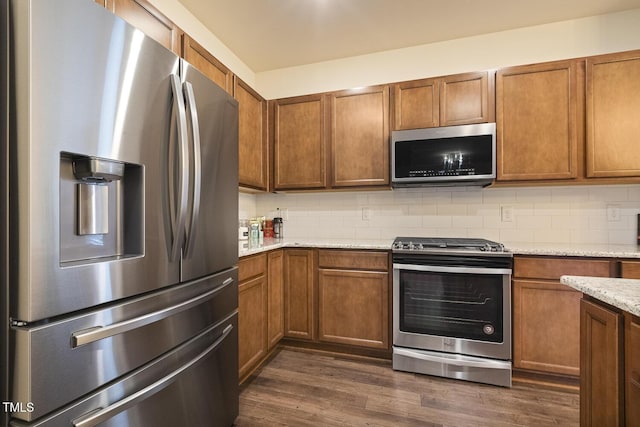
(301, 388)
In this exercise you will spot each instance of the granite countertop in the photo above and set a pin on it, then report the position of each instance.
(248, 248)
(583, 250)
(621, 293)
(549, 249)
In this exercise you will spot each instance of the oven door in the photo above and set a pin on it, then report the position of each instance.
(453, 308)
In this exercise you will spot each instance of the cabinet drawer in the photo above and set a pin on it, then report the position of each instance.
(630, 269)
(252, 266)
(553, 268)
(358, 260)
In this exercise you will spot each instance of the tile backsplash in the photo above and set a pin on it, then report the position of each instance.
(576, 214)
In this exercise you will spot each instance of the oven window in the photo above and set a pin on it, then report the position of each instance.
(452, 305)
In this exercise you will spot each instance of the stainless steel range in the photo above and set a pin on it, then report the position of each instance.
(452, 308)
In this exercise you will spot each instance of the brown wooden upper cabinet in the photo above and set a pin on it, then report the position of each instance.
(253, 168)
(360, 137)
(444, 101)
(543, 133)
(613, 102)
(537, 121)
(200, 58)
(332, 140)
(142, 15)
(299, 143)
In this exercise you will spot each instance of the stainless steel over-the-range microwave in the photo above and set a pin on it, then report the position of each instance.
(452, 155)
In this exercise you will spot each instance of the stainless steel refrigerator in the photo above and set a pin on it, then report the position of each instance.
(119, 209)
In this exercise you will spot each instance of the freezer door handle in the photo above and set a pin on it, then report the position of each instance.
(87, 336)
(100, 415)
(192, 221)
(178, 202)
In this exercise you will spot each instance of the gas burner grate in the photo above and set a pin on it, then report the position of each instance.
(446, 243)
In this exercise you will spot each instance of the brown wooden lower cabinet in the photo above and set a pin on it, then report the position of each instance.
(601, 383)
(546, 327)
(336, 296)
(353, 298)
(546, 314)
(260, 308)
(299, 291)
(275, 285)
(630, 269)
(353, 307)
(252, 312)
(632, 369)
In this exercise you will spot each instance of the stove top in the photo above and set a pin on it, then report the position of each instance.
(445, 244)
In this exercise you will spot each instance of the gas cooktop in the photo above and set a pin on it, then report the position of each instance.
(446, 244)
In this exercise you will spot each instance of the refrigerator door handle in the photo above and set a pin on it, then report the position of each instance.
(178, 203)
(192, 222)
(100, 415)
(87, 336)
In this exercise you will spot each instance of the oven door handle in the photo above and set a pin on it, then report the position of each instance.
(449, 269)
(454, 360)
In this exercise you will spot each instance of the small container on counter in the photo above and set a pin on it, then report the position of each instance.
(243, 229)
(268, 228)
(277, 228)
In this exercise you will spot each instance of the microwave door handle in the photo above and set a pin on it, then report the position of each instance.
(99, 415)
(197, 173)
(178, 202)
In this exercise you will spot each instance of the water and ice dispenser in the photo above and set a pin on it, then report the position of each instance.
(101, 209)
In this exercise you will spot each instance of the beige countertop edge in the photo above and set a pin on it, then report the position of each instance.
(621, 293)
(595, 251)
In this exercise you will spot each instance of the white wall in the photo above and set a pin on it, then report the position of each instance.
(562, 40)
(571, 215)
(568, 39)
(177, 13)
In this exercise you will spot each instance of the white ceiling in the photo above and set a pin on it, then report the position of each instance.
(272, 34)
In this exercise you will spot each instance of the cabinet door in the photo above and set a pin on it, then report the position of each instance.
(299, 272)
(601, 392)
(299, 143)
(360, 137)
(252, 323)
(253, 170)
(207, 64)
(546, 319)
(538, 121)
(353, 308)
(149, 20)
(416, 104)
(467, 98)
(630, 269)
(252, 312)
(632, 369)
(613, 102)
(275, 312)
